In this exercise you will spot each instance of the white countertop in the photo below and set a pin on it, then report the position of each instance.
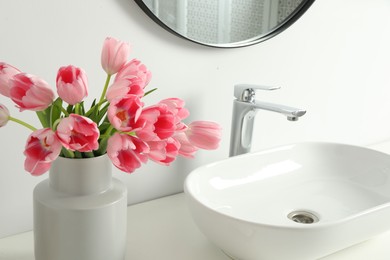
(163, 229)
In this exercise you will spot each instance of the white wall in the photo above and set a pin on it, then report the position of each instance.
(334, 62)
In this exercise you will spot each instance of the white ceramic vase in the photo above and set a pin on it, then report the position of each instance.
(80, 212)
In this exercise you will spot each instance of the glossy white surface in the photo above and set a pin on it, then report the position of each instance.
(163, 229)
(241, 204)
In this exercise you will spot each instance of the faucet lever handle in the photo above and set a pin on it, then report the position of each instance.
(246, 92)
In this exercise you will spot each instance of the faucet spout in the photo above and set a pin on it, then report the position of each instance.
(291, 113)
(244, 112)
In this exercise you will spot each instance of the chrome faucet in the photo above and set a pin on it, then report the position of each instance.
(245, 107)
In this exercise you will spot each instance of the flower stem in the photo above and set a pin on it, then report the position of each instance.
(102, 102)
(105, 88)
(67, 153)
(77, 109)
(22, 123)
(64, 111)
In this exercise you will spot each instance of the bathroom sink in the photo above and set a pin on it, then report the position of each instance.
(299, 201)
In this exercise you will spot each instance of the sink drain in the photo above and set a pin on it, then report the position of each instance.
(303, 217)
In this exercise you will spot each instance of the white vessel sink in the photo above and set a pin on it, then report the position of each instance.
(300, 201)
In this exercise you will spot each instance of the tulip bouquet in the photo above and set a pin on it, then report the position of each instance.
(118, 123)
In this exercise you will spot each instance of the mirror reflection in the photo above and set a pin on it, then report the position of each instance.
(223, 22)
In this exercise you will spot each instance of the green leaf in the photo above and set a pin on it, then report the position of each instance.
(43, 118)
(104, 126)
(93, 114)
(102, 147)
(93, 103)
(55, 111)
(78, 154)
(102, 112)
(70, 109)
(150, 91)
(131, 133)
(82, 109)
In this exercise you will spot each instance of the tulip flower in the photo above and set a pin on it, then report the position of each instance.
(72, 86)
(4, 115)
(134, 69)
(176, 106)
(125, 87)
(114, 55)
(204, 134)
(127, 152)
(78, 133)
(124, 112)
(186, 149)
(156, 123)
(42, 148)
(6, 73)
(164, 152)
(30, 92)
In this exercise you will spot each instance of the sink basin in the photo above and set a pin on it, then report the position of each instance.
(299, 201)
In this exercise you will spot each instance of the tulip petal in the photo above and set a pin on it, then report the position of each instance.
(204, 134)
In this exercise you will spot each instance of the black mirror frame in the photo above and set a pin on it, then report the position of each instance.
(294, 16)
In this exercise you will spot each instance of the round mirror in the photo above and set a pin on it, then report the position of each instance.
(225, 23)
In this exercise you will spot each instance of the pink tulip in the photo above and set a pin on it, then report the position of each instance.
(78, 133)
(30, 92)
(6, 73)
(42, 148)
(176, 106)
(127, 152)
(187, 149)
(4, 115)
(134, 68)
(72, 86)
(125, 87)
(204, 134)
(114, 55)
(156, 123)
(164, 152)
(124, 112)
